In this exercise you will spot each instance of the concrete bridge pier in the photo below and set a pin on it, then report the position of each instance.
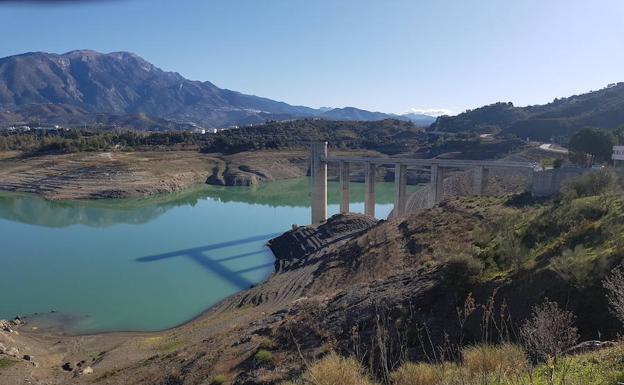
(369, 189)
(344, 187)
(479, 181)
(437, 184)
(530, 179)
(400, 189)
(318, 172)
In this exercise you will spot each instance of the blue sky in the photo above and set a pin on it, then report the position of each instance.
(384, 55)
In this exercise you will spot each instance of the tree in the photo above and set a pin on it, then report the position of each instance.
(591, 145)
(614, 284)
(549, 332)
(619, 135)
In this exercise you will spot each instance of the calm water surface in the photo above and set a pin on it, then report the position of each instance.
(146, 264)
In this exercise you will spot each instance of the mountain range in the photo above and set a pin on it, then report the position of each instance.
(121, 88)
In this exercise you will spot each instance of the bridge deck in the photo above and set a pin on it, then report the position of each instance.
(451, 163)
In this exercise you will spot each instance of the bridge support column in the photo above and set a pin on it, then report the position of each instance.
(318, 172)
(480, 180)
(369, 194)
(400, 189)
(530, 181)
(437, 184)
(344, 187)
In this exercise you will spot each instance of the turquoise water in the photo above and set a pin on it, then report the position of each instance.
(146, 264)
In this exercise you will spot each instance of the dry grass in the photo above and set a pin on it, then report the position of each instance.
(483, 365)
(424, 374)
(336, 370)
(501, 361)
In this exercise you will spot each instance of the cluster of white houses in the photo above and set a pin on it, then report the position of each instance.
(27, 128)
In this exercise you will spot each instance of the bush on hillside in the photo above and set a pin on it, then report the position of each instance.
(590, 184)
(266, 343)
(263, 357)
(592, 145)
(549, 332)
(218, 380)
(614, 284)
(511, 251)
(575, 266)
(461, 269)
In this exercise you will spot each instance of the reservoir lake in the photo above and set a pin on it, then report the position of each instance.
(147, 264)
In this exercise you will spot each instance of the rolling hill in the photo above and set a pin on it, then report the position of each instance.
(559, 119)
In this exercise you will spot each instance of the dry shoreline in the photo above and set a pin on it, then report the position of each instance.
(111, 175)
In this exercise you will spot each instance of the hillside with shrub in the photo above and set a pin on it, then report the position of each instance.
(476, 291)
(388, 136)
(557, 120)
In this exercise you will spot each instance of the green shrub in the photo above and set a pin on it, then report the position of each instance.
(219, 380)
(546, 163)
(589, 208)
(462, 269)
(576, 266)
(511, 252)
(263, 356)
(6, 363)
(590, 184)
(266, 343)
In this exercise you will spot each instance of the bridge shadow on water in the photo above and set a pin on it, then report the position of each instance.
(216, 266)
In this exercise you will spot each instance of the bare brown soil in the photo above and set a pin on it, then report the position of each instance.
(104, 175)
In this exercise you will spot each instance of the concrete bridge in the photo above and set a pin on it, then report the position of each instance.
(437, 168)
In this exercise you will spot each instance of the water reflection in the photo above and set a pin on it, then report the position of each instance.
(33, 210)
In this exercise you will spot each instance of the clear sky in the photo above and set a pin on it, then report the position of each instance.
(383, 55)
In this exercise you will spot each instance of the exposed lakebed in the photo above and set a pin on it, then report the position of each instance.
(146, 264)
